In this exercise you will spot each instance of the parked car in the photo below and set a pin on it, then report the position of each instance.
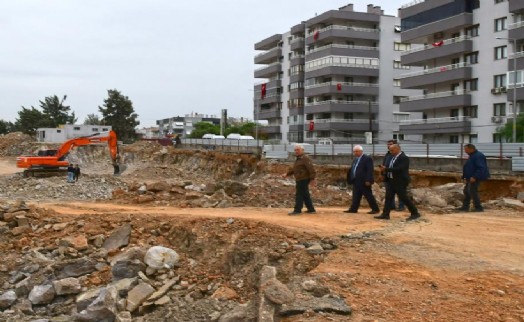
(212, 136)
(234, 136)
(246, 137)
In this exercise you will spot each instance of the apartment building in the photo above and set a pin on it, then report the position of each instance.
(335, 76)
(469, 50)
(183, 125)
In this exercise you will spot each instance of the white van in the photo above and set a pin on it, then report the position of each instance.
(234, 136)
(246, 137)
(212, 136)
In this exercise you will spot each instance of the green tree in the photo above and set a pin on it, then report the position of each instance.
(56, 112)
(118, 112)
(6, 127)
(30, 119)
(202, 128)
(93, 119)
(506, 131)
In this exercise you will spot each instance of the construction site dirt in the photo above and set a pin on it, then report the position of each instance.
(226, 218)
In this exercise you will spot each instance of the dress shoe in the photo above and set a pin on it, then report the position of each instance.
(373, 212)
(478, 210)
(461, 209)
(311, 212)
(386, 217)
(400, 209)
(349, 211)
(294, 213)
(413, 217)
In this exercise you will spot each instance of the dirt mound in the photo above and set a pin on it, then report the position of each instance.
(17, 143)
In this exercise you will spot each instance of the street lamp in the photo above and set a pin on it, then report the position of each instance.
(514, 130)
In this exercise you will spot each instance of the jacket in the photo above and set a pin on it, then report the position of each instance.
(476, 167)
(364, 172)
(302, 169)
(399, 170)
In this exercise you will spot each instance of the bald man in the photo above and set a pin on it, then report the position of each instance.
(361, 176)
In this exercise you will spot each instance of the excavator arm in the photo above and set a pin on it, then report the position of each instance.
(58, 160)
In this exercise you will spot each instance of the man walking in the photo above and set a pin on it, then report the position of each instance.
(387, 159)
(361, 176)
(304, 173)
(397, 172)
(474, 171)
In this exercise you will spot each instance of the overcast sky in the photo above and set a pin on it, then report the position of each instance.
(170, 57)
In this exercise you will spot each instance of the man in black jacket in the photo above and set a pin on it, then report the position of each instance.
(361, 176)
(397, 172)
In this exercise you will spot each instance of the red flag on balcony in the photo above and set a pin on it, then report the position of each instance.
(443, 68)
(263, 91)
(311, 126)
(339, 87)
(438, 43)
(315, 35)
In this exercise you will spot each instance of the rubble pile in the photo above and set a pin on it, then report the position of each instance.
(16, 144)
(76, 268)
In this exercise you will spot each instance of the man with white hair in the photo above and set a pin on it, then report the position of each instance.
(304, 173)
(361, 176)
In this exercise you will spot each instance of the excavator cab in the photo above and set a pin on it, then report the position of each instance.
(47, 153)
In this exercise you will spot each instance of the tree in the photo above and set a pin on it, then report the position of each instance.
(56, 112)
(202, 128)
(6, 127)
(506, 131)
(118, 112)
(93, 119)
(30, 119)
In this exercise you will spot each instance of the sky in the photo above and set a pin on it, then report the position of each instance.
(171, 58)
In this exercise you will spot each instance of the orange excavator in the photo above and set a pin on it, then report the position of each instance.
(55, 160)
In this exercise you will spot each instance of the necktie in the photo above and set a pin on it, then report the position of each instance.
(390, 174)
(355, 166)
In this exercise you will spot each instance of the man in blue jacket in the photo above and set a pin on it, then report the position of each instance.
(361, 176)
(475, 170)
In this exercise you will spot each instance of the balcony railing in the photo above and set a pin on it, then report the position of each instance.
(339, 27)
(436, 120)
(268, 51)
(412, 3)
(435, 95)
(341, 83)
(296, 40)
(339, 61)
(267, 66)
(340, 102)
(336, 120)
(438, 69)
(516, 25)
(342, 47)
(517, 54)
(444, 43)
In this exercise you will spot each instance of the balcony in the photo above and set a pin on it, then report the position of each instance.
(296, 93)
(520, 60)
(334, 124)
(299, 127)
(269, 56)
(271, 97)
(342, 50)
(435, 100)
(516, 5)
(298, 43)
(342, 32)
(341, 88)
(520, 92)
(266, 114)
(297, 60)
(455, 22)
(334, 106)
(269, 42)
(296, 111)
(516, 30)
(338, 65)
(449, 47)
(440, 74)
(268, 71)
(458, 124)
(272, 129)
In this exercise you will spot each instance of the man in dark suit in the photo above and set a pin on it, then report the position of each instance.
(360, 175)
(397, 172)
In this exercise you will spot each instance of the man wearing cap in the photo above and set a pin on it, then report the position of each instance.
(361, 176)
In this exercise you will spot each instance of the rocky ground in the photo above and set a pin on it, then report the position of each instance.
(143, 247)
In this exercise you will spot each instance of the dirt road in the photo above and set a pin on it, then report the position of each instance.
(455, 267)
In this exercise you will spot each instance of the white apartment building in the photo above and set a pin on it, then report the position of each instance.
(468, 50)
(335, 76)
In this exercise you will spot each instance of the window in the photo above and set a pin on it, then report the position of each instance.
(105, 129)
(499, 109)
(399, 137)
(497, 138)
(76, 128)
(472, 58)
(348, 116)
(499, 80)
(397, 99)
(500, 52)
(398, 46)
(499, 1)
(471, 85)
(95, 129)
(454, 113)
(472, 31)
(500, 24)
(453, 139)
(396, 82)
(58, 131)
(473, 138)
(471, 111)
(398, 65)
